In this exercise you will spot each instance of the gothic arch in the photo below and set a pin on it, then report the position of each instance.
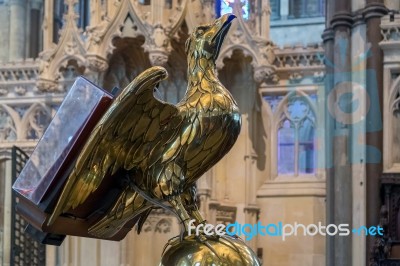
(391, 115)
(70, 47)
(33, 127)
(283, 103)
(277, 120)
(394, 93)
(157, 34)
(100, 40)
(9, 123)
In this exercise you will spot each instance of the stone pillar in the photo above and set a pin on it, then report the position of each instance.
(7, 215)
(265, 19)
(374, 138)
(17, 29)
(339, 178)
(95, 12)
(328, 39)
(48, 25)
(358, 147)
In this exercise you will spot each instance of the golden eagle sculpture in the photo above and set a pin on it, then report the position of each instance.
(156, 149)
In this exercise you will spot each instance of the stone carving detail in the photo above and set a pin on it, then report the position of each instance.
(18, 79)
(295, 78)
(381, 249)
(70, 47)
(390, 28)
(299, 57)
(395, 108)
(163, 226)
(37, 120)
(3, 91)
(14, 73)
(318, 76)
(226, 214)
(157, 26)
(8, 130)
(253, 43)
(158, 58)
(265, 74)
(158, 224)
(297, 63)
(385, 249)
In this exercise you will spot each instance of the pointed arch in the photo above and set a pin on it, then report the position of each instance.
(35, 121)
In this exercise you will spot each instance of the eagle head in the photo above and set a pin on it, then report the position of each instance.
(206, 40)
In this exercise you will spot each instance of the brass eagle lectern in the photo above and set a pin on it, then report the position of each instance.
(152, 153)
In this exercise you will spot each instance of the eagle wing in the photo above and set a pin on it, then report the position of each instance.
(126, 136)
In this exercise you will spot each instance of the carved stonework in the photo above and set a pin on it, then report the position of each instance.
(390, 27)
(293, 62)
(386, 247)
(226, 214)
(158, 57)
(158, 224)
(37, 120)
(96, 63)
(70, 47)
(295, 78)
(265, 74)
(8, 130)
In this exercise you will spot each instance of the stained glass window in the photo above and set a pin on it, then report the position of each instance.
(296, 135)
(226, 6)
(286, 145)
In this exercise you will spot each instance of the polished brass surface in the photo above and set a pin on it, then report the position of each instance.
(219, 251)
(164, 148)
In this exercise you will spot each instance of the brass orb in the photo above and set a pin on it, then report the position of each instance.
(216, 251)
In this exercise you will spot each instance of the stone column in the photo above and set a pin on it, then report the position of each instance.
(48, 25)
(265, 19)
(7, 215)
(327, 37)
(358, 147)
(17, 29)
(339, 178)
(95, 12)
(374, 137)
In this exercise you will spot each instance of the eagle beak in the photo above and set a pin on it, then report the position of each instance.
(220, 28)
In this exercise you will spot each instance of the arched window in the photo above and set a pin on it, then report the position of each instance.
(295, 134)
